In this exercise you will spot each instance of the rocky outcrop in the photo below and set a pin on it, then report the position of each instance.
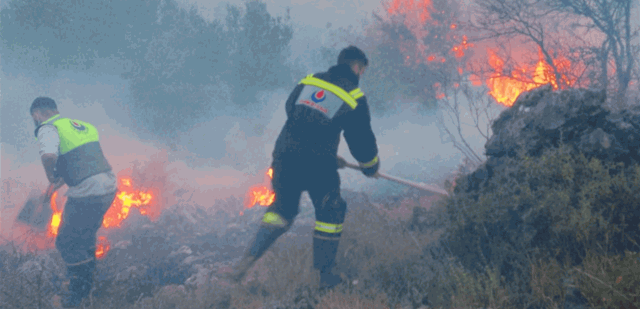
(543, 118)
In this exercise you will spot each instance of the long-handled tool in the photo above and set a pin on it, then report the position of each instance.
(36, 211)
(416, 185)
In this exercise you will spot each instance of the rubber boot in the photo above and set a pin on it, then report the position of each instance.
(324, 256)
(80, 283)
(265, 237)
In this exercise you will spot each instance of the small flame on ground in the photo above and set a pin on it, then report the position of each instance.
(260, 194)
(102, 247)
(127, 198)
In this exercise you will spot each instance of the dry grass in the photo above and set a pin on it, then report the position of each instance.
(547, 283)
(610, 281)
(341, 300)
(385, 266)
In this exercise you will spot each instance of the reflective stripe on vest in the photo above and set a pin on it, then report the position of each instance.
(349, 98)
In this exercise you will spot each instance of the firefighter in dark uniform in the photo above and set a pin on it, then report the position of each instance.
(305, 159)
(71, 154)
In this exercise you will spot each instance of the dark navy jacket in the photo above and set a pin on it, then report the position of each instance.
(310, 137)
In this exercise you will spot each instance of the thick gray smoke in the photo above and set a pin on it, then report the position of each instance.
(219, 148)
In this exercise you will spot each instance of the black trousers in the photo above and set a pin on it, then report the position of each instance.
(76, 241)
(324, 189)
(323, 186)
(81, 219)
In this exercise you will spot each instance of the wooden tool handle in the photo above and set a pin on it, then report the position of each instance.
(420, 186)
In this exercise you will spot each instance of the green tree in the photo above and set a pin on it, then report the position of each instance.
(55, 34)
(177, 62)
(258, 48)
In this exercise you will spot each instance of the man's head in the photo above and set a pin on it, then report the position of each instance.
(42, 109)
(355, 58)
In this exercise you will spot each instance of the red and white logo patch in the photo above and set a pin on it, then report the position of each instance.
(78, 126)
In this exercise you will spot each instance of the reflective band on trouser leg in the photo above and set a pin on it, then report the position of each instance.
(326, 238)
(273, 219)
(328, 227)
(327, 231)
(273, 225)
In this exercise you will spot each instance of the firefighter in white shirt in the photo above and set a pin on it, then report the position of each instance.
(71, 154)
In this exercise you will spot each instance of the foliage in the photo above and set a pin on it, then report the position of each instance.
(420, 55)
(67, 34)
(259, 44)
(611, 281)
(556, 206)
(177, 62)
(597, 37)
(473, 290)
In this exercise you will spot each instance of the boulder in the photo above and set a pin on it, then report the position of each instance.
(543, 118)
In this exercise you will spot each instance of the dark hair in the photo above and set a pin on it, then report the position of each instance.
(43, 103)
(352, 54)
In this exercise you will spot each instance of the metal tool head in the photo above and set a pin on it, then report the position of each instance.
(36, 211)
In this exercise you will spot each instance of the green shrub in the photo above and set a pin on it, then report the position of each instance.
(611, 281)
(557, 206)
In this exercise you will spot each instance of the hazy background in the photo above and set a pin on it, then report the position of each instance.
(179, 90)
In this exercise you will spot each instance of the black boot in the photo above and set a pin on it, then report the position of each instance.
(265, 237)
(80, 283)
(324, 256)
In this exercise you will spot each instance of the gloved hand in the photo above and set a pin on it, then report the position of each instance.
(372, 170)
(58, 183)
(341, 162)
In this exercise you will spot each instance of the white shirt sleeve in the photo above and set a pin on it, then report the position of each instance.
(48, 140)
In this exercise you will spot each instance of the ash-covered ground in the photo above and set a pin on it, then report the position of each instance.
(188, 250)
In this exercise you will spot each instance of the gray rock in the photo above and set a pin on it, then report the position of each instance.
(543, 118)
(182, 252)
(129, 273)
(200, 278)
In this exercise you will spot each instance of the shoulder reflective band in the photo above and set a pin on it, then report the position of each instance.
(349, 98)
(370, 163)
(328, 227)
(356, 93)
(273, 218)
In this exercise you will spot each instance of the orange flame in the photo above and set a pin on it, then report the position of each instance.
(56, 218)
(404, 7)
(506, 88)
(102, 247)
(260, 194)
(125, 199)
(458, 50)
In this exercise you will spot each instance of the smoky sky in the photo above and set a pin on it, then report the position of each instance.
(222, 148)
